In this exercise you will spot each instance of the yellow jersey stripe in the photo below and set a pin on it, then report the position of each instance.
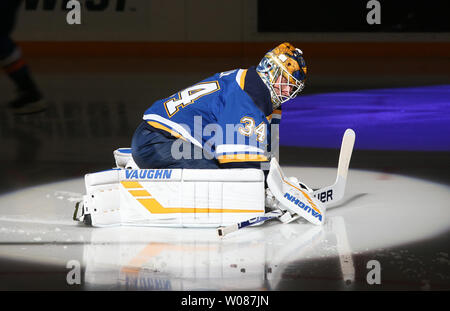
(277, 111)
(242, 80)
(227, 158)
(164, 128)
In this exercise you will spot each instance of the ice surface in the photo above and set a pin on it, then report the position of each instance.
(377, 212)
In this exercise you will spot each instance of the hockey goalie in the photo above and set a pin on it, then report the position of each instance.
(207, 157)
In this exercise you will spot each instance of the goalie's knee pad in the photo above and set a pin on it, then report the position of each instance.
(124, 158)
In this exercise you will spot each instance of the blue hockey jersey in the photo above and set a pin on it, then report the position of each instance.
(218, 115)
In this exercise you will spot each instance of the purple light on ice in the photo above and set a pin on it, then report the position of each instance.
(413, 118)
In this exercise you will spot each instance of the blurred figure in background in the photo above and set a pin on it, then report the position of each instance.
(29, 99)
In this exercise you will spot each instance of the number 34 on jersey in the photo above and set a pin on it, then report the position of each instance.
(249, 129)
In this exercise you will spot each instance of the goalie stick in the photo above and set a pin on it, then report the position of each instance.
(327, 195)
(334, 193)
(222, 231)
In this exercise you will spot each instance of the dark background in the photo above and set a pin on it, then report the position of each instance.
(339, 16)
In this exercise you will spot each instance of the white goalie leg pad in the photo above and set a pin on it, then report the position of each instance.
(191, 197)
(102, 199)
(174, 197)
(292, 198)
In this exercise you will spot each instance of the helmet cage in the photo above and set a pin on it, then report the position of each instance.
(295, 85)
(270, 69)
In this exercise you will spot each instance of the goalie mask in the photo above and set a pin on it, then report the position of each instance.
(283, 71)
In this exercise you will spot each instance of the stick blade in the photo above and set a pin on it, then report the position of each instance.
(348, 141)
(334, 193)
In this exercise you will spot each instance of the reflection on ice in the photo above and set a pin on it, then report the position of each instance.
(196, 259)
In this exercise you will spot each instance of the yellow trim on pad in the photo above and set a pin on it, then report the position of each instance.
(154, 207)
(139, 193)
(131, 184)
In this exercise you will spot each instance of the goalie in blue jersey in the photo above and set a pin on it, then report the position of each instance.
(223, 121)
